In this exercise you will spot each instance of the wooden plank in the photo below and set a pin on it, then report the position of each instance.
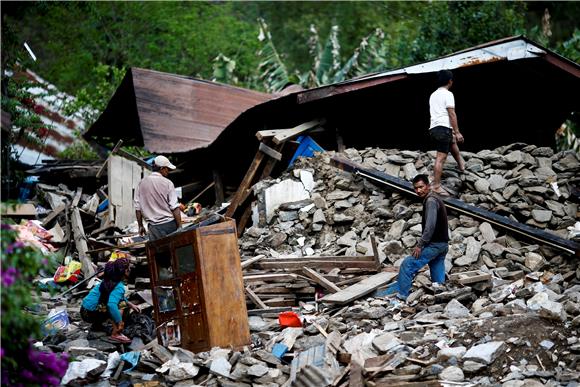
(56, 212)
(77, 197)
(81, 243)
(249, 262)
(375, 252)
(219, 187)
(375, 363)
(279, 264)
(270, 152)
(399, 381)
(503, 222)
(361, 289)
(319, 279)
(106, 163)
(245, 184)
(246, 215)
(25, 210)
(265, 134)
(300, 129)
(135, 159)
(258, 312)
(318, 258)
(221, 274)
(271, 277)
(255, 299)
(469, 277)
(356, 376)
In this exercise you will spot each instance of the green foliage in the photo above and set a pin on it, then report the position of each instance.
(223, 70)
(71, 38)
(24, 112)
(272, 70)
(571, 47)
(446, 27)
(21, 363)
(91, 101)
(79, 150)
(567, 137)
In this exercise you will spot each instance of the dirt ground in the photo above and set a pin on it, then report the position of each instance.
(523, 335)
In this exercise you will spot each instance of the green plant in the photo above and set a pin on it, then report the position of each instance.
(91, 101)
(22, 363)
(567, 137)
(223, 70)
(79, 150)
(327, 66)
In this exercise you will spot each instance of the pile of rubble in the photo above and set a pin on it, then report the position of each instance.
(514, 322)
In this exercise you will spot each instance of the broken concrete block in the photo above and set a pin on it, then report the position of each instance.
(221, 367)
(549, 309)
(385, 342)
(487, 232)
(542, 216)
(452, 374)
(485, 353)
(534, 261)
(455, 309)
(286, 191)
(257, 370)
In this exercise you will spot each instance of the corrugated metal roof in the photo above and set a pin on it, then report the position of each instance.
(168, 113)
(60, 131)
(507, 49)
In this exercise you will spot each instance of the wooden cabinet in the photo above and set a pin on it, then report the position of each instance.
(198, 289)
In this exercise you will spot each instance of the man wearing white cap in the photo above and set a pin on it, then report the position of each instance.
(156, 201)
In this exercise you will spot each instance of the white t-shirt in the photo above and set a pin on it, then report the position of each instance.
(440, 100)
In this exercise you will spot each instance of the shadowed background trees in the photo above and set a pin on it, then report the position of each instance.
(84, 47)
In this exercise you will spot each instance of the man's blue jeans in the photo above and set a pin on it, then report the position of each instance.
(433, 255)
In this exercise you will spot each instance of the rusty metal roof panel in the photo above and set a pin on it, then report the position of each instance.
(506, 49)
(171, 113)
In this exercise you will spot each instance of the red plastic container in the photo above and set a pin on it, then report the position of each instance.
(289, 319)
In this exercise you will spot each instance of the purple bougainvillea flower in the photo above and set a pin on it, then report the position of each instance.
(9, 276)
(5, 226)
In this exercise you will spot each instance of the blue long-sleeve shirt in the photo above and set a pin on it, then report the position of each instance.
(91, 301)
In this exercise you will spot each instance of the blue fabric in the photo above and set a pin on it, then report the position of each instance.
(91, 301)
(132, 358)
(433, 255)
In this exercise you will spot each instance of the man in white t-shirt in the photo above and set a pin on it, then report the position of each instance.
(443, 128)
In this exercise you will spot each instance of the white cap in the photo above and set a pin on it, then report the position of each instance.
(162, 161)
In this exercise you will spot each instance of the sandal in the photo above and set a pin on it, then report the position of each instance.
(120, 338)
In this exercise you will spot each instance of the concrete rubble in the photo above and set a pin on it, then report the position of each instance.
(518, 327)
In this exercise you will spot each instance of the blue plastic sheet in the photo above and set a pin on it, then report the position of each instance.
(131, 358)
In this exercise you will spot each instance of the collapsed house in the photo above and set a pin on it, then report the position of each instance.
(321, 238)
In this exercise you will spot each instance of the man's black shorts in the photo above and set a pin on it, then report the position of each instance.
(442, 138)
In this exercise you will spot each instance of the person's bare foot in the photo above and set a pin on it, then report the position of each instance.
(439, 190)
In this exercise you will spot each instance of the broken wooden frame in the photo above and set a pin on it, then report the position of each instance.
(457, 205)
(469, 277)
(271, 145)
(370, 262)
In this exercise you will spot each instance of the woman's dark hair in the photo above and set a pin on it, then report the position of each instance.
(443, 77)
(114, 273)
(423, 178)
